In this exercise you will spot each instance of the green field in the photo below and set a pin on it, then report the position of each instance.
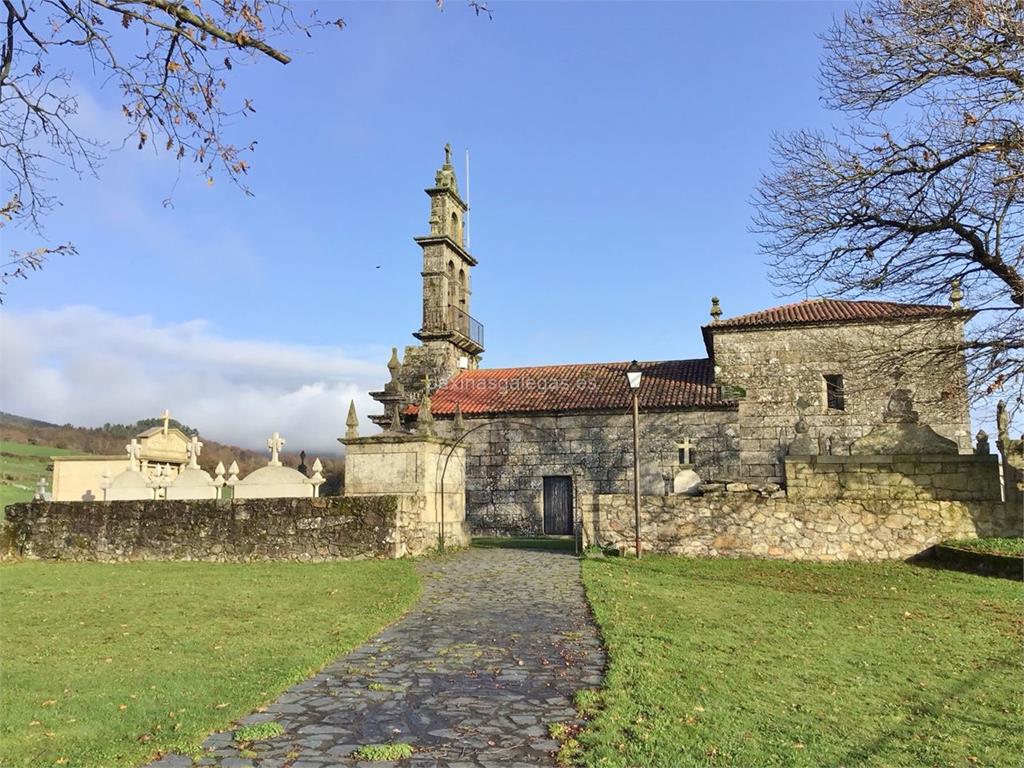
(104, 665)
(21, 466)
(767, 663)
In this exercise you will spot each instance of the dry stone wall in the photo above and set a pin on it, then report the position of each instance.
(317, 529)
(752, 524)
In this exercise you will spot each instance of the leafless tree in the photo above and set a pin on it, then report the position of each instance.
(169, 59)
(925, 184)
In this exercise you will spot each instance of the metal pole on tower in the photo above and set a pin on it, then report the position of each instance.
(465, 225)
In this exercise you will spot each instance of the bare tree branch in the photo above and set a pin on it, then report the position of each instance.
(925, 186)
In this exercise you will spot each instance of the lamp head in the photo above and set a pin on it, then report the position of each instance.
(633, 375)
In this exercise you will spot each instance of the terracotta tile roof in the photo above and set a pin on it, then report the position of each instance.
(831, 311)
(573, 388)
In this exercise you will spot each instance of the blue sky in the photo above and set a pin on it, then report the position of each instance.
(614, 151)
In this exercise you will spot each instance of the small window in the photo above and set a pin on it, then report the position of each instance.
(835, 396)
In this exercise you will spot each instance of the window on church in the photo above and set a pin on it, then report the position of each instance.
(835, 396)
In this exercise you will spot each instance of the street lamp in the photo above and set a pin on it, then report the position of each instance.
(633, 376)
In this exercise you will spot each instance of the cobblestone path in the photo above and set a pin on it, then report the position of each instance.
(472, 676)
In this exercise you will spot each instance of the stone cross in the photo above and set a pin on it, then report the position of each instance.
(275, 444)
(166, 416)
(134, 454)
(194, 449)
(447, 154)
(686, 446)
(40, 490)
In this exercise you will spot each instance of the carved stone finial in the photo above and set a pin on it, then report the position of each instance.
(716, 310)
(425, 417)
(458, 424)
(352, 422)
(982, 447)
(302, 463)
(396, 419)
(394, 364)
(1002, 424)
(956, 295)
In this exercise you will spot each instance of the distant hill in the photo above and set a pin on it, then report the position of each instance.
(110, 439)
(9, 419)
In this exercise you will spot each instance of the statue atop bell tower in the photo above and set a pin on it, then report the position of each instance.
(450, 338)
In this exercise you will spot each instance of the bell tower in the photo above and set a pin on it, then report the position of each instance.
(450, 339)
(446, 269)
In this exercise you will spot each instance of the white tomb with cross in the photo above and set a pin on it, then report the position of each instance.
(275, 480)
(193, 482)
(162, 448)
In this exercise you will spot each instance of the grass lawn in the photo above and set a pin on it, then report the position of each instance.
(105, 664)
(766, 663)
(1009, 546)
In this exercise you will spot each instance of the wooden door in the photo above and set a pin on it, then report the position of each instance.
(558, 505)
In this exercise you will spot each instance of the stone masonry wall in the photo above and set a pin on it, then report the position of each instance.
(253, 529)
(775, 367)
(507, 459)
(751, 524)
(922, 477)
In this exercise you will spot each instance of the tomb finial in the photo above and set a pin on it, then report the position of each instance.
(458, 424)
(275, 443)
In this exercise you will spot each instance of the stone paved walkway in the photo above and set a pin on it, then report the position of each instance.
(472, 676)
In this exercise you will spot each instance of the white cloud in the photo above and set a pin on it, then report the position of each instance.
(87, 366)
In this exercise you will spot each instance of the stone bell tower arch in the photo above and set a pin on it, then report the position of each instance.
(450, 338)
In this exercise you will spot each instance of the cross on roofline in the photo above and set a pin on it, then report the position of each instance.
(166, 416)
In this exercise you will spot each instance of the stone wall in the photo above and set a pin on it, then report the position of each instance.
(252, 529)
(773, 367)
(507, 459)
(752, 524)
(425, 473)
(921, 477)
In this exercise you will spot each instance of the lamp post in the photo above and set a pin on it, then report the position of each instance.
(633, 376)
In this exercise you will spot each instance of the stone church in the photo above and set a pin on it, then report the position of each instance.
(541, 440)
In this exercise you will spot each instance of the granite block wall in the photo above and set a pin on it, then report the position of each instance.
(507, 459)
(772, 368)
(964, 477)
